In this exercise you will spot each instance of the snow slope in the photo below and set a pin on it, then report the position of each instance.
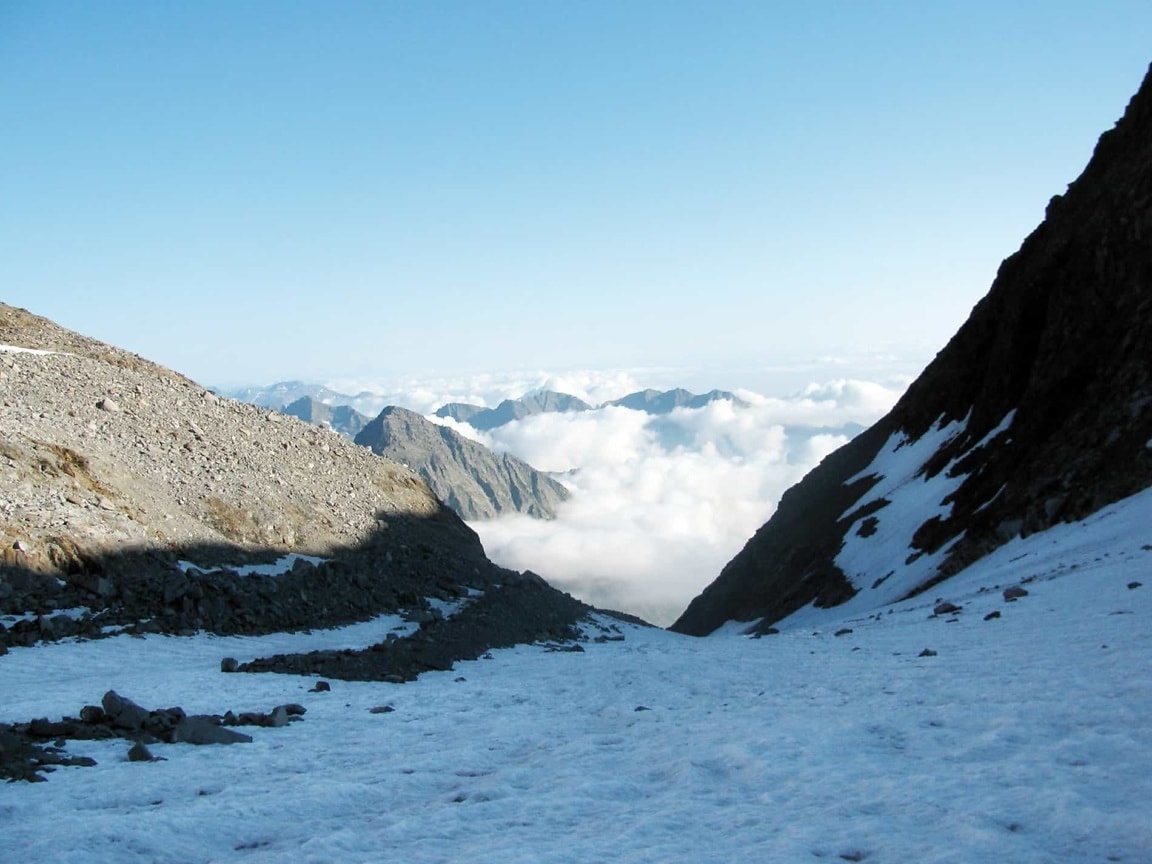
(1026, 738)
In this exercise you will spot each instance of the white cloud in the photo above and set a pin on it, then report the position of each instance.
(660, 504)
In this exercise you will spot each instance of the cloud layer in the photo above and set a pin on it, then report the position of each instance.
(660, 504)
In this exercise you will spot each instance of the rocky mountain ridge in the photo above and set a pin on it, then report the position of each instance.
(666, 401)
(656, 402)
(1038, 411)
(133, 493)
(471, 479)
(484, 419)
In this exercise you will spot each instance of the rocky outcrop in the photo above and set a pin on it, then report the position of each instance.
(1038, 411)
(470, 478)
(28, 750)
(542, 402)
(132, 498)
(342, 419)
(524, 609)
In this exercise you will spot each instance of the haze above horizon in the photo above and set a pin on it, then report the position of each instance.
(262, 191)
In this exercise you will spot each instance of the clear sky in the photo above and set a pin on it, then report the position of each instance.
(253, 191)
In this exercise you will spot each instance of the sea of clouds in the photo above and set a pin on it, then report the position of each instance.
(659, 503)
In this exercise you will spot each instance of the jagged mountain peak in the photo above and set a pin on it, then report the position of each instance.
(471, 479)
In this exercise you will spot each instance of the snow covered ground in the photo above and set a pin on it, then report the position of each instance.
(1026, 738)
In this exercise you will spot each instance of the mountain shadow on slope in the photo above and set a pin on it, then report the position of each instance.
(408, 562)
(1050, 385)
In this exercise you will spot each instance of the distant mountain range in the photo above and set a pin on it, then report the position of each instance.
(655, 402)
(284, 393)
(667, 401)
(339, 418)
(471, 479)
(468, 477)
(543, 402)
(465, 475)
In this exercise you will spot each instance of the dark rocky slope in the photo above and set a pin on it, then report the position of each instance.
(1049, 383)
(468, 477)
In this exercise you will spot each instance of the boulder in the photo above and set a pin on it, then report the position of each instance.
(124, 713)
(201, 730)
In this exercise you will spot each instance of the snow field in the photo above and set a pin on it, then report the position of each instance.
(1027, 738)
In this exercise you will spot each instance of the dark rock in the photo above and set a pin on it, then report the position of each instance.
(43, 728)
(321, 687)
(843, 631)
(278, 717)
(124, 713)
(945, 609)
(139, 753)
(1133, 585)
(229, 664)
(994, 614)
(295, 710)
(200, 730)
(1014, 592)
(381, 709)
(927, 652)
(93, 714)
(524, 609)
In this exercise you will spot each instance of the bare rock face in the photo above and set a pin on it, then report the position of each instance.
(133, 492)
(470, 478)
(1038, 411)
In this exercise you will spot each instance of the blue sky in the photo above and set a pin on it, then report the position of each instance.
(265, 190)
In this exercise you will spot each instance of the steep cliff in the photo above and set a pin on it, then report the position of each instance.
(1038, 411)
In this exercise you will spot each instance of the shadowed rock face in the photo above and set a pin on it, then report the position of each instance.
(470, 478)
(1049, 384)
